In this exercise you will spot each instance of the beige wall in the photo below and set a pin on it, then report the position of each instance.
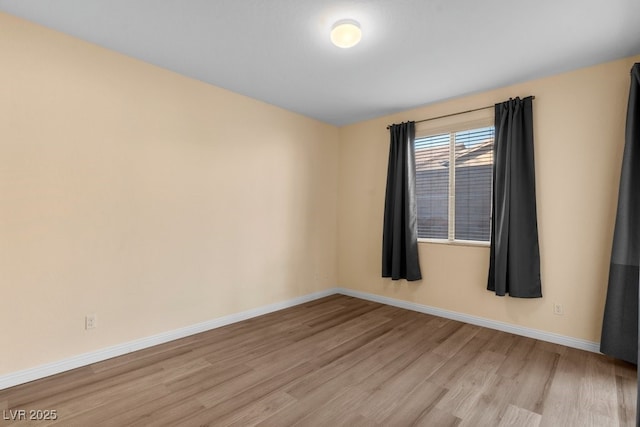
(151, 199)
(579, 134)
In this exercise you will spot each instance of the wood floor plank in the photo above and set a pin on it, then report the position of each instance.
(518, 417)
(56, 394)
(517, 357)
(626, 400)
(492, 403)
(340, 361)
(468, 388)
(624, 369)
(411, 407)
(98, 409)
(218, 405)
(455, 368)
(257, 411)
(345, 372)
(175, 406)
(277, 363)
(456, 341)
(598, 390)
(323, 340)
(535, 379)
(385, 342)
(562, 402)
(356, 420)
(221, 408)
(334, 410)
(179, 404)
(437, 418)
(383, 399)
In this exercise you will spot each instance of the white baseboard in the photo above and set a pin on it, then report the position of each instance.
(480, 321)
(85, 359)
(38, 372)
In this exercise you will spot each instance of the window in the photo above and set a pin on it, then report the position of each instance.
(454, 170)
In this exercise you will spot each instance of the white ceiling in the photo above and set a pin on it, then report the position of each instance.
(413, 52)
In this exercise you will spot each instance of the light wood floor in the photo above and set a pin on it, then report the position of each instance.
(341, 361)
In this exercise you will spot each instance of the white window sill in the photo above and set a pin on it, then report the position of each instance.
(456, 242)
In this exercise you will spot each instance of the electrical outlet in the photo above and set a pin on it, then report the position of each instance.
(91, 321)
(558, 310)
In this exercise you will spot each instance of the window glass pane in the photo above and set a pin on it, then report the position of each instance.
(432, 186)
(473, 176)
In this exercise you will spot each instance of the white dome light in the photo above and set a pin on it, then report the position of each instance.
(346, 33)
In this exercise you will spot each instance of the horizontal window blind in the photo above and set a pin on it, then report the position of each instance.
(454, 183)
(473, 176)
(432, 185)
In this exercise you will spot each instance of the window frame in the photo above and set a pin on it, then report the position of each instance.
(452, 125)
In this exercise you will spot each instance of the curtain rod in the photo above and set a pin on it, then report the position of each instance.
(456, 114)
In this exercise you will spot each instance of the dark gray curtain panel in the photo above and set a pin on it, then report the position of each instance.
(620, 324)
(400, 231)
(514, 260)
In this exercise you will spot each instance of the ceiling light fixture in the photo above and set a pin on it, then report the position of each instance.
(346, 33)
